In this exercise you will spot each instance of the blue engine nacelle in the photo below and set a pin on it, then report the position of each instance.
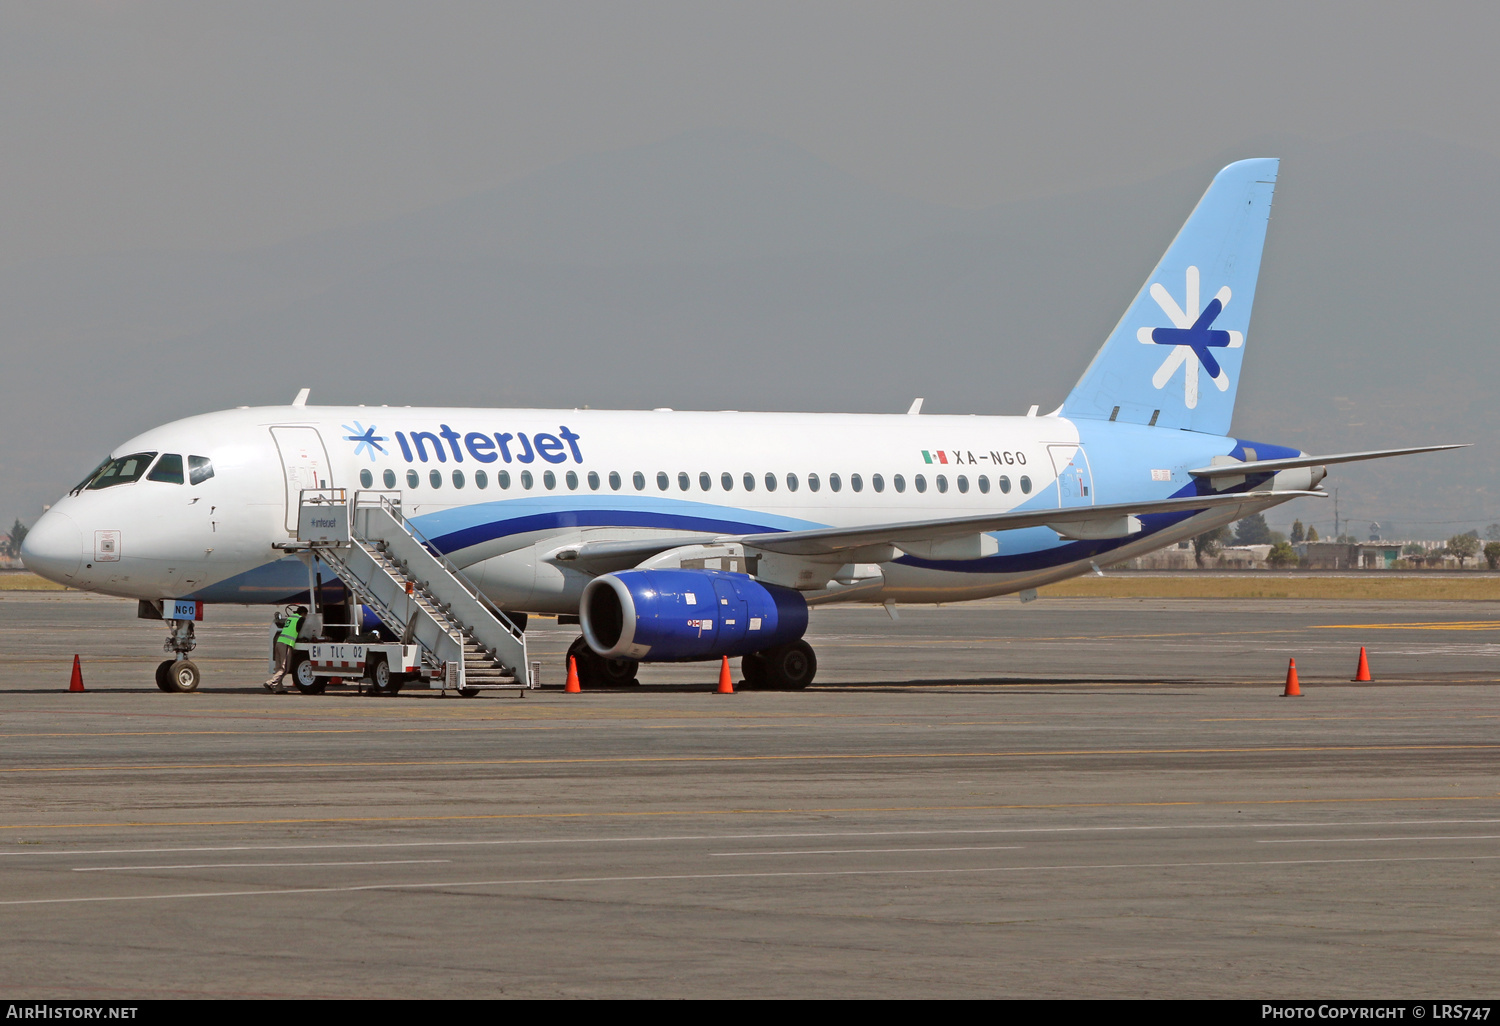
(676, 615)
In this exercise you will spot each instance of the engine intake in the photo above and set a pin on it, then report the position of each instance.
(680, 615)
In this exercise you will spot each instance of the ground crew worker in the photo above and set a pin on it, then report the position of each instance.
(284, 642)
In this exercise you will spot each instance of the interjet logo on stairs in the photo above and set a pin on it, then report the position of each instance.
(1191, 337)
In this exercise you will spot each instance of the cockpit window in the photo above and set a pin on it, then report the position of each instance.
(122, 471)
(200, 469)
(168, 469)
(81, 485)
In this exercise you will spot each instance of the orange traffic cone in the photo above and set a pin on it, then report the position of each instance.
(1293, 689)
(1363, 673)
(76, 683)
(726, 683)
(571, 687)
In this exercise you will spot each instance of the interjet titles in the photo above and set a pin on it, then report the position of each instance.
(483, 448)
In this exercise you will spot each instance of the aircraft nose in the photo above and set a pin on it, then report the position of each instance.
(53, 548)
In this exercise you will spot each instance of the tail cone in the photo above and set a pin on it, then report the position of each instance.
(1293, 688)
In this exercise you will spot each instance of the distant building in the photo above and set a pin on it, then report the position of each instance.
(1372, 555)
(1243, 557)
(1176, 557)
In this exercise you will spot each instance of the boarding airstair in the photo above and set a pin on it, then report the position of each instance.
(418, 593)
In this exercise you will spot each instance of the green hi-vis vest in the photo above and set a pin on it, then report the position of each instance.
(288, 635)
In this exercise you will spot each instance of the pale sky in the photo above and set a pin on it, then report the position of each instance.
(173, 125)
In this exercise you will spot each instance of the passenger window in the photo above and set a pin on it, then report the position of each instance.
(856, 482)
(984, 483)
(412, 480)
(594, 481)
(200, 469)
(366, 479)
(526, 480)
(727, 480)
(942, 483)
(481, 479)
(1025, 485)
(812, 482)
(704, 481)
(899, 482)
(458, 479)
(920, 480)
(503, 479)
(877, 482)
(549, 480)
(389, 477)
(683, 481)
(572, 479)
(122, 471)
(770, 482)
(639, 480)
(1004, 483)
(748, 481)
(834, 484)
(663, 482)
(791, 482)
(614, 481)
(435, 478)
(168, 469)
(963, 483)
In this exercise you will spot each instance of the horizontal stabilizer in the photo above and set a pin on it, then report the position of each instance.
(1238, 469)
(824, 540)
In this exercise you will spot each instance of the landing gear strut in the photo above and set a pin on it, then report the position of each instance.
(594, 671)
(179, 673)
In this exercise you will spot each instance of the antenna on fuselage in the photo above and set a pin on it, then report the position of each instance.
(301, 399)
(916, 408)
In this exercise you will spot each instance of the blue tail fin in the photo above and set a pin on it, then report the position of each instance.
(1174, 358)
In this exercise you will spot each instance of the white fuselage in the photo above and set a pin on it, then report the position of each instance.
(503, 491)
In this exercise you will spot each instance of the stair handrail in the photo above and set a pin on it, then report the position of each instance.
(393, 508)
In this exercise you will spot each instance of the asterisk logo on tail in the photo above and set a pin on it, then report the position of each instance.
(1192, 338)
(365, 439)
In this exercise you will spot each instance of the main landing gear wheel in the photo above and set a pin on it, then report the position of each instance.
(163, 669)
(789, 667)
(468, 692)
(753, 668)
(303, 678)
(594, 671)
(183, 676)
(382, 680)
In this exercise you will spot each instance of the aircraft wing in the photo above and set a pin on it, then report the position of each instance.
(1239, 469)
(827, 540)
(599, 557)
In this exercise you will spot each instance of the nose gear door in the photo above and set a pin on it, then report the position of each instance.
(304, 462)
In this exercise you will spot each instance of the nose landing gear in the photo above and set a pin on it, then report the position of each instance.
(179, 674)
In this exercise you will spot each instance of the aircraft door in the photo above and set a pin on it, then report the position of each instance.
(304, 463)
(1075, 482)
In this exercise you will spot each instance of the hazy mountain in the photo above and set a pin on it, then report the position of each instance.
(728, 270)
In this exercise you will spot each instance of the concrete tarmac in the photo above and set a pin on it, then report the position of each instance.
(1072, 798)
